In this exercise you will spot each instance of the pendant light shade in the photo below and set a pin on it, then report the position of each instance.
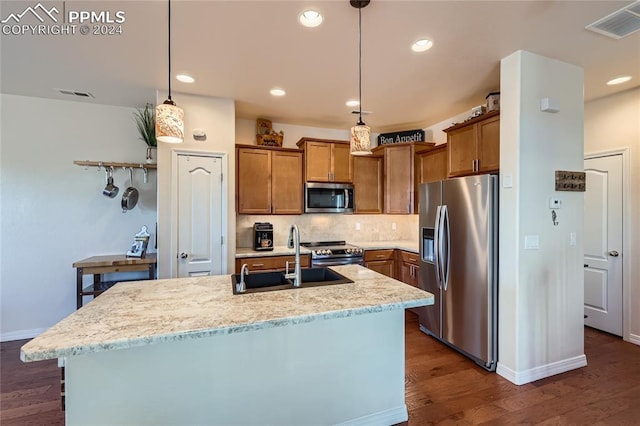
(169, 117)
(360, 133)
(169, 122)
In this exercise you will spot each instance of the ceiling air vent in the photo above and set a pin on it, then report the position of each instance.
(75, 93)
(620, 23)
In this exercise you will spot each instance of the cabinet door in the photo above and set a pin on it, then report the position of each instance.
(489, 145)
(253, 181)
(461, 146)
(432, 165)
(398, 183)
(342, 170)
(368, 184)
(385, 267)
(318, 161)
(286, 182)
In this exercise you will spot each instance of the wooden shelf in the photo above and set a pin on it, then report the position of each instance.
(115, 164)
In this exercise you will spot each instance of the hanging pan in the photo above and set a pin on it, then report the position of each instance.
(110, 190)
(130, 195)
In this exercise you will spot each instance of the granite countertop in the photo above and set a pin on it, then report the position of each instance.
(408, 245)
(139, 313)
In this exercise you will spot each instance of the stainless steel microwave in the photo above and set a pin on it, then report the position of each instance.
(328, 198)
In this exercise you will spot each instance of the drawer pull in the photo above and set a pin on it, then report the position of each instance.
(412, 259)
(379, 255)
(257, 265)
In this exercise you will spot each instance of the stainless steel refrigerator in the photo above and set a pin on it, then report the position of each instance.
(459, 258)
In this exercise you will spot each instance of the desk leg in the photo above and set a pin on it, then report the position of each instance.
(79, 287)
(152, 271)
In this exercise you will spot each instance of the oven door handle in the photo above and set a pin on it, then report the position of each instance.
(337, 262)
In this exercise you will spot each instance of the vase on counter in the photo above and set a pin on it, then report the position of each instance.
(151, 155)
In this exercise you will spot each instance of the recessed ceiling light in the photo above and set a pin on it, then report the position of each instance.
(310, 18)
(277, 92)
(618, 80)
(352, 103)
(185, 78)
(422, 45)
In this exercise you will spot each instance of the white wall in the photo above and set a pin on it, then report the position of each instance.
(246, 133)
(53, 212)
(541, 291)
(217, 117)
(613, 123)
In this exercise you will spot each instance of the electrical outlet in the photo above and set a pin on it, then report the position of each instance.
(555, 203)
(531, 242)
(572, 239)
(393, 226)
(357, 226)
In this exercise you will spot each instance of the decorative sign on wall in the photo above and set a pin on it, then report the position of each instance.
(571, 181)
(398, 137)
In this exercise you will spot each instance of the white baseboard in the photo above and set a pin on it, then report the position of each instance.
(634, 338)
(21, 334)
(537, 373)
(391, 416)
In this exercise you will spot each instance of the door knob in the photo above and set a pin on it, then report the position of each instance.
(613, 253)
(183, 255)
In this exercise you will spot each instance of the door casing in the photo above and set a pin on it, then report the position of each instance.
(626, 237)
(173, 267)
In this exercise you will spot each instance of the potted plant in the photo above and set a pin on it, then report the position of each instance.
(146, 123)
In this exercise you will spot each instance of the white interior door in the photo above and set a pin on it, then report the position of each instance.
(200, 218)
(603, 244)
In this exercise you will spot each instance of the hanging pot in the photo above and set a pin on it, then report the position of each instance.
(130, 195)
(110, 190)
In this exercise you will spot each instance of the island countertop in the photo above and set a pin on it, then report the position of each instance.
(141, 313)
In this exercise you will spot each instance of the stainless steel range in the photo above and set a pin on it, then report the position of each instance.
(328, 253)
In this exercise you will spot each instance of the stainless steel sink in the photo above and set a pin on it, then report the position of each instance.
(271, 281)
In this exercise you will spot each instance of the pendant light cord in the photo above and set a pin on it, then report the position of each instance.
(360, 65)
(169, 44)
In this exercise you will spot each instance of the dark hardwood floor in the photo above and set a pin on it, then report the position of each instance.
(442, 388)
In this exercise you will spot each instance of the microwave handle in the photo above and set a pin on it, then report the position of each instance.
(346, 198)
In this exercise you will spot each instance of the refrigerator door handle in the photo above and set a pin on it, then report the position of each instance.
(436, 251)
(444, 224)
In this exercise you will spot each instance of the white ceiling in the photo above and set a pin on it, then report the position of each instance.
(241, 49)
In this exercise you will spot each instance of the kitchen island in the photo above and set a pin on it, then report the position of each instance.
(188, 351)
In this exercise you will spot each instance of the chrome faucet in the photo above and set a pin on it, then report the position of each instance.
(294, 243)
(241, 287)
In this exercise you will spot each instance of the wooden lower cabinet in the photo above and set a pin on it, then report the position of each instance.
(408, 267)
(271, 263)
(381, 261)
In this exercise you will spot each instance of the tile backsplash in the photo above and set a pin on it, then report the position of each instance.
(331, 227)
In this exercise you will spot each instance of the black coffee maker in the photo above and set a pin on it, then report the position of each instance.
(262, 236)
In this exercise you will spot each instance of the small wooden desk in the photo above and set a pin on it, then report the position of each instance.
(98, 265)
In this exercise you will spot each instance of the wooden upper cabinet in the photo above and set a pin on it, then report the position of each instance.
(286, 182)
(474, 146)
(432, 164)
(368, 184)
(253, 169)
(400, 184)
(327, 160)
(268, 180)
(489, 145)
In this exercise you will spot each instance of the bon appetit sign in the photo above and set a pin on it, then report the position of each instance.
(399, 137)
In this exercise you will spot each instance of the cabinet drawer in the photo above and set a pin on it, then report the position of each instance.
(372, 255)
(410, 257)
(270, 262)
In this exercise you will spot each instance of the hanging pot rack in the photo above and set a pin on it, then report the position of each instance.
(101, 164)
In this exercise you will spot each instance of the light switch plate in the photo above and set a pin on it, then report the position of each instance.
(531, 242)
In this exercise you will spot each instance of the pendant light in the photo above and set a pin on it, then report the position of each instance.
(360, 133)
(169, 117)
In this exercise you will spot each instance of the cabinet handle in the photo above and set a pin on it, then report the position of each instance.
(256, 265)
(379, 255)
(478, 165)
(412, 259)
